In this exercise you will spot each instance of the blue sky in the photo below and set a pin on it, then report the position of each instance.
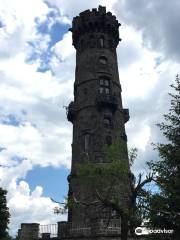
(53, 181)
(37, 64)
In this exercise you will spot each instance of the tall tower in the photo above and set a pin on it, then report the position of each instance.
(96, 113)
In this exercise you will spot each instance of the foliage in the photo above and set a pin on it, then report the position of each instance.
(164, 206)
(115, 165)
(114, 185)
(109, 175)
(132, 155)
(4, 215)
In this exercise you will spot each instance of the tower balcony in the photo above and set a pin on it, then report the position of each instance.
(107, 100)
(71, 112)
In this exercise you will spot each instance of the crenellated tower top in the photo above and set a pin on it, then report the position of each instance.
(95, 29)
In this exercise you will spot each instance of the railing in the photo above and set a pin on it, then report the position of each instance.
(79, 230)
(114, 227)
(111, 229)
(99, 228)
(51, 228)
(107, 100)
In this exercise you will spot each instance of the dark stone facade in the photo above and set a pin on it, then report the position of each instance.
(96, 113)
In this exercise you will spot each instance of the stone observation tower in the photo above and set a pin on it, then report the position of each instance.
(96, 113)
(98, 119)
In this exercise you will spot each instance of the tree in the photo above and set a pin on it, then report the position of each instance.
(4, 215)
(164, 205)
(114, 186)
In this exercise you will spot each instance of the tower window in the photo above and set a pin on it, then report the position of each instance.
(106, 83)
(92, 41)
(86, 142)
(107, 122)
(106, 90)
(104, 86)
(108, 140)
(113, 214)
(101, 89)
(103, 60)
(101, 41)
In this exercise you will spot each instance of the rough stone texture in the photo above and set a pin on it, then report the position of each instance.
(96, 113)
(29, 231)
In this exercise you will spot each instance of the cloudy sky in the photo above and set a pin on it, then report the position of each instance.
(37, 62)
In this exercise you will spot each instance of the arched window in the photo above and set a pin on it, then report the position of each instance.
(103, 60)
(107, 122)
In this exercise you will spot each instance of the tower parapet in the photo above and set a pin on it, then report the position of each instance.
(95, 29)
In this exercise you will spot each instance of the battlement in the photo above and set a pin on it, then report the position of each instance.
(95, 21)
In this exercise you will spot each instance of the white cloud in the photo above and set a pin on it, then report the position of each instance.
(42, 136)
(64, 48)
(36, 99)
(142, 136)
(37, 192)
(27, 206)
(39, 147)
(136, 65)
(157, 20)
(109, 4)
(73, 8)
(18, 18)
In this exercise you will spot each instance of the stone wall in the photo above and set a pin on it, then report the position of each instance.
(28, 231)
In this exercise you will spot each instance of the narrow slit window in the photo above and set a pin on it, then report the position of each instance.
(101, 42)
(86, 142)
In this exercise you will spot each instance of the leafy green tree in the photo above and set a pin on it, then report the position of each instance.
(115, 187)
(4, 215)
(164, 205)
